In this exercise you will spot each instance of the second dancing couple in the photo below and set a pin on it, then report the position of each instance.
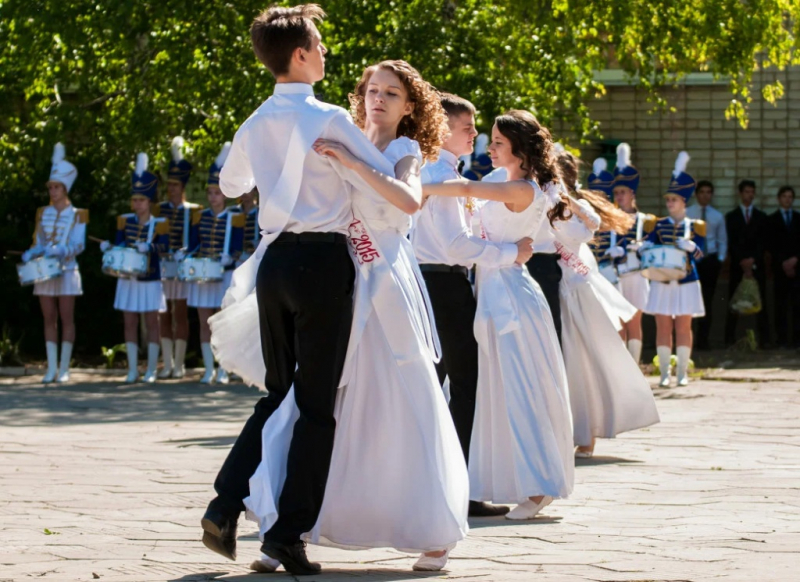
(347, 338)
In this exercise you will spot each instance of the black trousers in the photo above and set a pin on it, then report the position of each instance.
(305, 302)
(454, 308)
(708, 271)
(732, 318)
(546, 271)
(786, 294)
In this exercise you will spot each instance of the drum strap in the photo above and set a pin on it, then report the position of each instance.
(639, 226)
(612, 239)
(185, 226)
(227, 244)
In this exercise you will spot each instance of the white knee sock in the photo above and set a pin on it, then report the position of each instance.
(166, 351)
(635, 348)
(664, 357)
(133, 355)
(684, 353)
(52, 361)
(208, 357)
(180, 353)
(152, 358)
(66, 356)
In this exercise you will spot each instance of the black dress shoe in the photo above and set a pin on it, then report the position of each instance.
(483, 509)
(292, 556)
(219, 530)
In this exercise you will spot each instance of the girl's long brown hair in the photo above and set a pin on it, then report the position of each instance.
(532, 144)
(427, 123)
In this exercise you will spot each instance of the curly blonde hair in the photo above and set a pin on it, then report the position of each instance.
(427, 123)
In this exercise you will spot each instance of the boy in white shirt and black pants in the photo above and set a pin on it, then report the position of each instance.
(446, 249)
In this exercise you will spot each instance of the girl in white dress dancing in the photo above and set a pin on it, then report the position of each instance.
(522, 449)
(397, 475)
(608, 392)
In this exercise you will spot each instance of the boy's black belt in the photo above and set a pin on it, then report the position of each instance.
(287, 238)
(433, 268)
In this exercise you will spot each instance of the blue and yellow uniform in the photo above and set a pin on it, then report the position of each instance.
(600, 244)
(207, 235)
(130, 232)
(665, 231)
(252, 232)
(177, 217)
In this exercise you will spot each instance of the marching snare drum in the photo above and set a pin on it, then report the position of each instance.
(664, 263)
(125, 263)
(169, 267)
(204, 270)
(609, 271)
(39, 270)
(630, 265)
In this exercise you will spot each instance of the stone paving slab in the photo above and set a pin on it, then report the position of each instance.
(102, 481)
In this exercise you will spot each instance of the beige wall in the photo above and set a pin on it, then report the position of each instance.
(767, 152)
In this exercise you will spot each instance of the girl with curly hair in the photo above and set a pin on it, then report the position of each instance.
(608, 392)
(521, 449)
(397, 476)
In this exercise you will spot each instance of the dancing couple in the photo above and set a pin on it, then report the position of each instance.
(347, 341)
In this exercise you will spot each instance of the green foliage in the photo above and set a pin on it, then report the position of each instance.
(110, 353)
(9, 349)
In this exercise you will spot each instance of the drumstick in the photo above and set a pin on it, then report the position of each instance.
(17, 253)
(95, 239)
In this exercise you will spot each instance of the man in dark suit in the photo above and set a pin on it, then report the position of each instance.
(747, 228)
(785, 250)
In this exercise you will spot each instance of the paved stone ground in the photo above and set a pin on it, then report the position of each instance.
(102, 481)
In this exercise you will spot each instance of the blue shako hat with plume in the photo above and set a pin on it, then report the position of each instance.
(143, 183)
(625, 174)
(682, 184)
(601, 179)
(179, 169)
(216, 167)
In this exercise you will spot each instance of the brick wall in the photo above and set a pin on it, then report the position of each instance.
(768, 151)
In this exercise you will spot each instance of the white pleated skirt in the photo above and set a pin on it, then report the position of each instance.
(636, 289)
(139, 296)
(209, 295)
(608, 392)
(675, 299)
(67, 284)
(174, 289)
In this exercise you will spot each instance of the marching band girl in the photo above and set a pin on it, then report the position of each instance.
(634, 287)
(175, 321)
(604, 243)
(60, 233)
(248, 205)
(144, 293)
(676, 302)
(608, 392)
(216, 233)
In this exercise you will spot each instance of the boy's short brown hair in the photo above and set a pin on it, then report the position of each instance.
(277, 32)
(454, 105)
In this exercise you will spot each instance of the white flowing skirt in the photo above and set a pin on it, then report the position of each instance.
(67, 284)
(174, 289)
(675, 299)
(607, 390)
(522, 436)
(139, 296)
(209, 295)
(636, 289)
(397, 476)
(616, 307)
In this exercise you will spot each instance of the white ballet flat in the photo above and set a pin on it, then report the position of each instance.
(208, 377)
(664, 383)
(222, 376)
(149, 377)
(431, 564)
(164, 373)
(265, 565)
(528, 509)
(132, 377)
(180, 373)
(63, 377)
(584, 454)
(49, 377)
(683, 381)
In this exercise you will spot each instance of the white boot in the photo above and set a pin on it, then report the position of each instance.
(208, 362)
(635, 348)
(52, 362)
(166, 351)
(66, 356)
(684, 353)
(664, 357)
(178, 370)
(133, 360)
(152, 363)
(222, 376)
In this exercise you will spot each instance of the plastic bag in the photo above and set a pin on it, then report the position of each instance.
(746, 299)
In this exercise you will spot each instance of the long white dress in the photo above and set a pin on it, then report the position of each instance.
(397, 475)
(522, 436)
(608, 392)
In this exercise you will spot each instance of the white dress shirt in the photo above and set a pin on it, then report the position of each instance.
(443, 227)
(716, 234)
(257, 158)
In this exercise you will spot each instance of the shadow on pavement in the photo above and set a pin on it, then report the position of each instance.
(26, 403)
(328, 574)
(601, 460)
